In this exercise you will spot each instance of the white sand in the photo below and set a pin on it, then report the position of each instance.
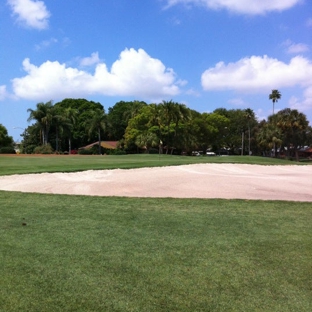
(189, 181)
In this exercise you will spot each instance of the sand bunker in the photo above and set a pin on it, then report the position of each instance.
(189, 181)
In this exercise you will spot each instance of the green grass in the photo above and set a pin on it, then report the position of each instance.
(79, 253)
(36, 163)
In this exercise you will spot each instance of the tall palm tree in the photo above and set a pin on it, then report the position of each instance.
(58, 122)
(180, 114)
(44, 116)
(275, 96)
(97, 122)
(168, 111)
(156, 118)
(249, 114)
(134, 109)
(70, 115)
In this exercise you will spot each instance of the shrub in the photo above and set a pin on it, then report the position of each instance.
(115, 152)
(7, 150)
(29, 149)
(85, 151)
(94, 150)
(44, 149)
(153, 151)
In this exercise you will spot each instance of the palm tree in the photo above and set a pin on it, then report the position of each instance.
(58, 122)
(275, 96)
(168, 111)
(269, 136)
(180, 114)
(70, 115)
(97, 122)
(156, 118)
(249, 114)
(147, 140)
(44, 116)
(293, 126)
(134, 109)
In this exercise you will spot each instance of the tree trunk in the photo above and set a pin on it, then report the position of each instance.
(297, 155)
(69, 146)
(56, 140)
(242, 144)
(44, 141)
(99, 141)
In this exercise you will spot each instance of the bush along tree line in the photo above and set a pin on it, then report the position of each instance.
(167, 127)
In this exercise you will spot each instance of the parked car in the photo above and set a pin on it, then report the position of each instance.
(210, 154)
(195, 153)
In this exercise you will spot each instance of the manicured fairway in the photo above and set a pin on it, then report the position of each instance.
(65, 163)
(78, 253)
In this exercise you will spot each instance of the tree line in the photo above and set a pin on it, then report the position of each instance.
(167, 127)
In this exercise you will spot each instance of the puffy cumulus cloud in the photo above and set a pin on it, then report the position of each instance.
(135, 73)
(91, 60)
(34, 14)
(252, 7)
(258, 73)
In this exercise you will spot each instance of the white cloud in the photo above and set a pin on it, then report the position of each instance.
(91, 60)
(295, 48)
(303, 104)
(135, 73)
(260, 74)
(251, 7)
(260, 114)
(32, 13)
(3, 92)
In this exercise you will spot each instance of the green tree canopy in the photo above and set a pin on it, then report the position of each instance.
(119, 115)
(294, 126)
(240, 121)
(96, 123)
(5, 139)
(43, 115)
(81, 112)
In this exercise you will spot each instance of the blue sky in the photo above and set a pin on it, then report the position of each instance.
(203, 53)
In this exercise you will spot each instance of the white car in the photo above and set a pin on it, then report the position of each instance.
(210, 154)
(194, 153)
